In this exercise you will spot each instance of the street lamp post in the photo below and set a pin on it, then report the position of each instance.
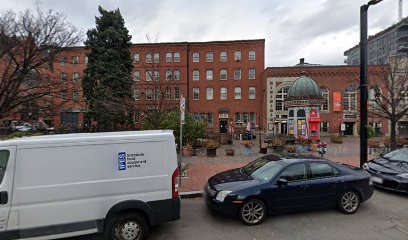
(363, 81)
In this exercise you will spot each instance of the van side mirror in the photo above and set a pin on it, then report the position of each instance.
(282, 182)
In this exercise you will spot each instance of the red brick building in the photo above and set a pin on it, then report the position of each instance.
(221, 81)
(339, 85)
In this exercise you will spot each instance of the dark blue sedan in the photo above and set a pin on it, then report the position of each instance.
(273, 184)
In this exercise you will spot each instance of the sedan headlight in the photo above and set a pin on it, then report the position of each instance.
(403, 175)
(221, 195)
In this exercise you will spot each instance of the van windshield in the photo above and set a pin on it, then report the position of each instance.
(4, 156)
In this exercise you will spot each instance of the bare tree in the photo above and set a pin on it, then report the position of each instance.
(157, 96)
(29, 44)
(389, 95)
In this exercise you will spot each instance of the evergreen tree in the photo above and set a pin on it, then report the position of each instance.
(107, 81)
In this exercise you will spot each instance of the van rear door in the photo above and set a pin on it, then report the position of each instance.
(7, 155)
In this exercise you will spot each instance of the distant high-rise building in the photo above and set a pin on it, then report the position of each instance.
(391, 41)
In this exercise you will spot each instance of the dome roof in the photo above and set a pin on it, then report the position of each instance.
(304, 88)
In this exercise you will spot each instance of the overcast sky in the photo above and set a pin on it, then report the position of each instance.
(318, 30)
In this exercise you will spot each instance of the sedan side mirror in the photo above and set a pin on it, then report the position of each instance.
(282, 182)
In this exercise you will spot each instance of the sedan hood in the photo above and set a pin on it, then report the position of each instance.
(231, 180)
(383, 165)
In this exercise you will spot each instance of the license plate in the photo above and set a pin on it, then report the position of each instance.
(377, 180)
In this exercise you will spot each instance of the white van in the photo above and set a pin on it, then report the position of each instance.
(119, 183)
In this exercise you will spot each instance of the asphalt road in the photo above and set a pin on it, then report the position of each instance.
(384, 216)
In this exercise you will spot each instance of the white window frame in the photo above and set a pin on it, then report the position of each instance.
(136, 76)
(237, 56)
(136, 57)
(148, 76)
(252, 55)
(209, 74)
(75, 60)
(210, 93)
(252, 93)
(148, 58)
(149, 94)
(223, 94)
(176, 93)
(196, 57)
(237, 93)
(156, 76)
(239, 76)
(196, 75)
(223, 72)
(209, 56)
(169, 75)
(176, 75)
(136, 94)
(196, 93)
(176, 57)
(251, 73)
(169, 57)
(63, 61)
(223, 56)
(156, 57)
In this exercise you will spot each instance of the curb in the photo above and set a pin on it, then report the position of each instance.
(192, 194)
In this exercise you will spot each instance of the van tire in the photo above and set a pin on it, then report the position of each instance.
(127, 226)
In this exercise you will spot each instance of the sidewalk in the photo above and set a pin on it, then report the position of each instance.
(201, 167)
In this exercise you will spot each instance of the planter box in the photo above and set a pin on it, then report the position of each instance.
(211, 152)
(229, 152)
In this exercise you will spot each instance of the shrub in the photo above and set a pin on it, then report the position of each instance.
(336, 139)
(211, 144)
(247, 143)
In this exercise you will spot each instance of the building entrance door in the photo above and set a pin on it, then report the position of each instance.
(223, 126)
(349, 128)
(284, 128)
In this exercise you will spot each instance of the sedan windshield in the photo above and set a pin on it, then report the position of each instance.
(262, 169)
(398, 155)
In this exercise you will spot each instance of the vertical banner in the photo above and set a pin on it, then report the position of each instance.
(336, 101)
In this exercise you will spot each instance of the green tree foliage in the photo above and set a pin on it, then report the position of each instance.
(192, 130)
(107, 81)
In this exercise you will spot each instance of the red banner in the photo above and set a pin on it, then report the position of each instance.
(337, 102)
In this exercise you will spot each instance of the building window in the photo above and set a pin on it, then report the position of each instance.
(168, 93)
(237, 118)
(196, 57)
(196, 94)
(251, 73)
(136, 76)
(169, 57)
(196, 75)
(176, 75)
(223, 74)
(237, 74)
(245, 118)
(325, 95)
(63, 76)
(210, 119)
(156, 76)
(324, 127)
(237, 56)
(223, 56)
(252, 93)
(237, 92)
(136, 115)
(209, 74)
(156, 58)
(136, 57)
(223, 93)
(251, 55)
(168, 75)
(157, 94)
(176, 93)
(280, 98)
(75, 95)
(350, 100)
(136, 94)
(148, 75)
(75, 60)
(75, 76)
(209, 57)
(210, 93)
(148, 58)
(149, 94)
(63, 61)
(86, 60)
(252, 118)
(64, 96)
(176, 57)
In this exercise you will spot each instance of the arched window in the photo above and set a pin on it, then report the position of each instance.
(350, 99)
(301, 113)
(280, 98)
(291, 113)
(148, 58)
(325, 95)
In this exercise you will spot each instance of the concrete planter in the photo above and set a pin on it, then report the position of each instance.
(211, 152)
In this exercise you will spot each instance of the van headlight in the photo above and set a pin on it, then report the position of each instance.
(221, 195)
(403, 175)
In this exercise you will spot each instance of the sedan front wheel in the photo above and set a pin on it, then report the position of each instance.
(253, 212)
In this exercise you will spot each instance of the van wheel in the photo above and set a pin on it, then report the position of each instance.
(348, 202)
(129, 226)
(252, 212)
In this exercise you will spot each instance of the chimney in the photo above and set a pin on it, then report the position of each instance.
(302, 61)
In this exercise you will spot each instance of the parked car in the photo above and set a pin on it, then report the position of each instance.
(390, 171)
(25, 127)
(273, 184)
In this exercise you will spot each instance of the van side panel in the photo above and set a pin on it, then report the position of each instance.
(67, 183)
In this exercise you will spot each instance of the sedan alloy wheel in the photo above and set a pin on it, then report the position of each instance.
(349, 202)
(253, 212)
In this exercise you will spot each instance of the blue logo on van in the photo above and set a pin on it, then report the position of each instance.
(122, 161)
